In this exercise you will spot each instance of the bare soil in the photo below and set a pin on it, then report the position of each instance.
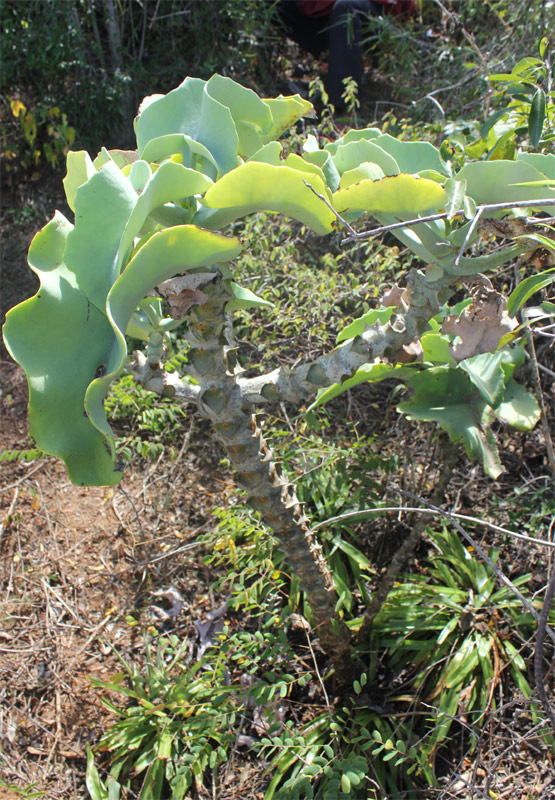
(78, 568)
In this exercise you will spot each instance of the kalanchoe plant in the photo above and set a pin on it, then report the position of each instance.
(147, 237)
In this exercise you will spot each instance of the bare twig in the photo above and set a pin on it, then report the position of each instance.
(318, 675)
(363, 513)
(538, 653)
(539, 396)
(331, 208)
(470, 231)
(395, 225)
(8, 517)
(407, 223)
(24, 478)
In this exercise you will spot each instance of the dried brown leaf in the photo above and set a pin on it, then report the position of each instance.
(481, 325)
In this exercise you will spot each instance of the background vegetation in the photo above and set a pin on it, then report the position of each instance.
(446, 705)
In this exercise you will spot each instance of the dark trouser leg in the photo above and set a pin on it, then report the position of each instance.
(308, 32)
(345, 60)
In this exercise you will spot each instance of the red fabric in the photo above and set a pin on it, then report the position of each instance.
(398, 8)
(315, 8)
(320, 8)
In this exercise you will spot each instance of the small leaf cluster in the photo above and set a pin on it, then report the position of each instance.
(178, 722)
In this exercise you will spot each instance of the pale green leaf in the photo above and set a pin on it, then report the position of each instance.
(400, 196)
(103, 206)
(365, 171)
(79, 169)
(244, 298)
(285, 112)
(166, 253)
(447, 396)
(184, 149)
(368, 373)
(324, 160)
(358, 326)
(171, 181)
(411, 157)
(435, 348)
(190, 109)
(496, 182)
(269, 154)
(245, 190)
(60, 339)
(353, 136)
(350, 155)
(519, 408)
(456, 192)
(543, 162)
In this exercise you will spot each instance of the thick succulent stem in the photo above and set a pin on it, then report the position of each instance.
(212, 364)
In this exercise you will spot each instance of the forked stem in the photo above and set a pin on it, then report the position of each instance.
(212, 364)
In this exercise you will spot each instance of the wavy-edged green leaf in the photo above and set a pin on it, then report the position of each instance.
(103, 206)
(191, 110)
(166, 253)
(447, 396)
(519, 408)
(121, 158)
(365, 171)
(400, 195)
(368, 373)
(543, 162)
(251, 115)
(171, 181)
(192, 154)
(353, 136)
(411, 157)
(350, 155)
(79, 168)
(269, 154)
(527, 288)
(296, 162)
(285, 112)
(246, 189)
(496, 182)
(324, 160)
(61, 339)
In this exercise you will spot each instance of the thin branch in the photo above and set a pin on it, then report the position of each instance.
(538, 653)
(363, 513)
(470, 231)
(331, 208)
(539, 392)
(407, 223)
(395, 225)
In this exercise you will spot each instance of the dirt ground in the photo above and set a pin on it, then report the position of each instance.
(78, 567)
